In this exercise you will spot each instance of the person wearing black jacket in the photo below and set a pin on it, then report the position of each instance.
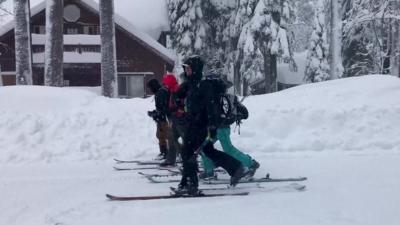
(201, 118)
(161, 97)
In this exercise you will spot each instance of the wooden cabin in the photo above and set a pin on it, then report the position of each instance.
(139, 56)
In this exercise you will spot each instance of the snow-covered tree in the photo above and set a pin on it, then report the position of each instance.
(23, 57)
(357, 43)
(217, 15)
(371, 43)
(188, 27)
(317, 67)
(263, 39)
(235, 35)
(108, 49)
(54, 47)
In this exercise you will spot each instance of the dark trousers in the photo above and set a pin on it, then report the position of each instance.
(162, 136)
(176, 131)
(193, 139)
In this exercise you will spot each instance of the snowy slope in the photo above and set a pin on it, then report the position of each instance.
(57, 145)
(60, 124)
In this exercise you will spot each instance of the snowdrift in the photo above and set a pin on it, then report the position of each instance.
(44, 124)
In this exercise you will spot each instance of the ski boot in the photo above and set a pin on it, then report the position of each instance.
(239, 174)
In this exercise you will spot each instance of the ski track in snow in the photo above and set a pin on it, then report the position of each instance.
(74, 194)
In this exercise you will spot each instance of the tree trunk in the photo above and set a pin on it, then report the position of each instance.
(108, 49)
(270, 71)
(395, 56)
(274, 73)
(237, 78)
(54, 49)
(267, 72)
(336, 67)
(23, 54)
(1, 77)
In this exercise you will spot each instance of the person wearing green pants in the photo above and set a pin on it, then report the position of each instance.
(223, 136)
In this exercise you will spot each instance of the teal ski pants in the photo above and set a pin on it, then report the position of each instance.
(223, 136)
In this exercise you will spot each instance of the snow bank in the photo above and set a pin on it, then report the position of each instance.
(361, 113)
(44, 124)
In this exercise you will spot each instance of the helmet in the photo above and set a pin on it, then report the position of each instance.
(154, 85)
(196, 63)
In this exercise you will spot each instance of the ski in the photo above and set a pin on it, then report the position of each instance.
(149, 162)
(141, 162)
(143, 168)
(171, 196)
(171, 173)
(154, 179)
(125, 161)
(292, 186)
(266, 179)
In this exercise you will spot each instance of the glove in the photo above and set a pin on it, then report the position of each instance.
(155, 115)
(152, 113)
(212, 132)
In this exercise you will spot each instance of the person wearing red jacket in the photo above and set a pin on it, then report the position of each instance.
(175, 115)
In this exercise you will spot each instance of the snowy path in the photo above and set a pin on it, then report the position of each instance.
(344, 188)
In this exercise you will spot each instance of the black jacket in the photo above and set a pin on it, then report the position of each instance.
(161, 98)
(200, 104)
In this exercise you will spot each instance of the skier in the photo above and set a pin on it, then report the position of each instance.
(159, 115)
(223, 134)
(176, 119)
(201, 129)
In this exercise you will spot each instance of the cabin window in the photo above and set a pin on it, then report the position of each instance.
(39, 29)
(132, 84)
(92, 30)
(122, 88)
(91, 49)
(37, 48)
(72, 30)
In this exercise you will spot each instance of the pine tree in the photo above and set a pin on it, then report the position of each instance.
(235, 35)
(356, 42)
(54, 47)
(370, 41)
(188, 28)
(317, 67)
(239, 35)
(23, 57)
(217, 15)
(108, 49)
(264, 39)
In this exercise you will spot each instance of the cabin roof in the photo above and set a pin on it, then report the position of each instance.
(120, 22)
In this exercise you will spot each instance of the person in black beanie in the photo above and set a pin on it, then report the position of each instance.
(201, 118)
(161, 97)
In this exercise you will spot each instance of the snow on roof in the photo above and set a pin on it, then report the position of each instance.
(10, 25)
(120, 21)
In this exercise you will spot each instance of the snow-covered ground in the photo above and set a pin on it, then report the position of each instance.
(57, 145)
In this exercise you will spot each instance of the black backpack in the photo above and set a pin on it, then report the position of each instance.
(231, 110)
